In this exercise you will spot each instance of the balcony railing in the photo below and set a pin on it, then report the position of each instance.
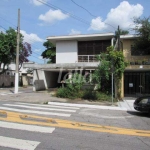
(87, 58)
(140, 62)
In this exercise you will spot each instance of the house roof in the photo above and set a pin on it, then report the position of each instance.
(81, 37)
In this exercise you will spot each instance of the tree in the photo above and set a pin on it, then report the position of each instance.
(111, 61)
(50, 52)
(8, 45)
(142, 30)
(24, 53)
(121, 32)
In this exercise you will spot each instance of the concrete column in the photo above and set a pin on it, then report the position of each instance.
(39, 81)
(122, 86)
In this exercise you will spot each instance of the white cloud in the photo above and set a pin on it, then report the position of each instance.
(52, 16)
(37, 3)
(97, 24)
(122, 15)
(30, 38)
(74, 32)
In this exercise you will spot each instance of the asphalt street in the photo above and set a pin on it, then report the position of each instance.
(27, 124)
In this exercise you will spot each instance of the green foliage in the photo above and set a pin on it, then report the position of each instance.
(142, 29)
(73, 87)
(121, 32)
(117, 62)
(8, 45)
(95, 95)
(89, 94)
(50, 52)
(111, 61)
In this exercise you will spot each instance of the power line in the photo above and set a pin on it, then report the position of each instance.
(91, 13)
(67, 13)
(3, 27)
(14, 29)
(32, 51)
(84, 9)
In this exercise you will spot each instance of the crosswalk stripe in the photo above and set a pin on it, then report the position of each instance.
(35, 112)
(18, 143)
(23, 106)
(55, 106)
(32, 128)
(87, 106)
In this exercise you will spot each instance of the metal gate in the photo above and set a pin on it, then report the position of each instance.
(136, 83)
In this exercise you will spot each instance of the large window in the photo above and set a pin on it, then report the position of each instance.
(92, 47)
(139, 52)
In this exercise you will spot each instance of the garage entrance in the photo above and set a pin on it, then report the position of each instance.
(136, 83)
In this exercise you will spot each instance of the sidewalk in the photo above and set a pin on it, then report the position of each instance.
(29, 96)
(127, 103)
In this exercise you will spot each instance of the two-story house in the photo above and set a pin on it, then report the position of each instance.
(78, 53)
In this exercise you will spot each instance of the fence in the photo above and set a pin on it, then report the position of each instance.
(7, 80)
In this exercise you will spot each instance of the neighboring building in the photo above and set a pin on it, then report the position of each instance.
(137, 74)
(78, 53)
(8, 78)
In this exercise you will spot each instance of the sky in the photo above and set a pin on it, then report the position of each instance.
(42, 18)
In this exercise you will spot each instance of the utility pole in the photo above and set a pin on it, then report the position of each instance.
(17, 54)
(118, 38)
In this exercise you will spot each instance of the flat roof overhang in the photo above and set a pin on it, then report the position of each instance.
(64, 66)
(137, 68)
(81, 37)
(128, 36)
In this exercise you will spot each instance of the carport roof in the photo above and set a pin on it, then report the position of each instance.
(72, 66)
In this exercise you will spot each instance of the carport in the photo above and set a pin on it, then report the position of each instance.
(47, 76)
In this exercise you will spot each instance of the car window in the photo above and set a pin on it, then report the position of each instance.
(144, 101)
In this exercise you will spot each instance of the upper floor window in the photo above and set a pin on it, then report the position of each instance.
(92, 47)
(139, 52)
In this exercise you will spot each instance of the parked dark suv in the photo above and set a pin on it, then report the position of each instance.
(142, 104)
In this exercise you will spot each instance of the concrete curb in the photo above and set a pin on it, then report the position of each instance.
(88, 106)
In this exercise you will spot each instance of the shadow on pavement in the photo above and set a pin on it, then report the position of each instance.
(139, 114)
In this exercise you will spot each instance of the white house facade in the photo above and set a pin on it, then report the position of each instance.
(77, 53)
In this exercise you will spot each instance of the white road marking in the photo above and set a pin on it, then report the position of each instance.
(35, 112)
(50, 106)
(18, 143)
(87, 106)
(23, 106)
(32, 128)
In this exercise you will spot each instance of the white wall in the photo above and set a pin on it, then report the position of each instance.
(66, 51)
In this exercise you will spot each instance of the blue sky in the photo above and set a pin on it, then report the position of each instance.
(64, 17)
